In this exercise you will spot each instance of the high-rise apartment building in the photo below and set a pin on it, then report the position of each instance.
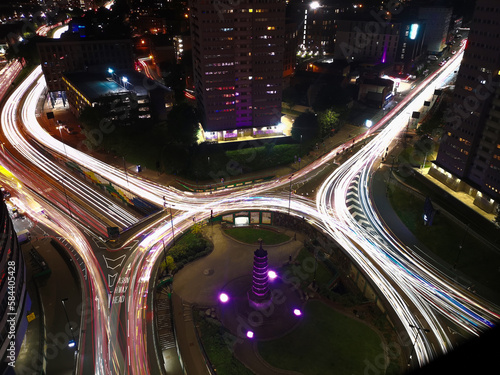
(238, 66)
(437, 20)
(469, 154)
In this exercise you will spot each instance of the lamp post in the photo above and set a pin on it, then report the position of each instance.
(390, 175)
(165, 256)
(65, 195)
(415, 341)
(62, 140)
(209, 186)
(300, 149)
(290, 194)
(171, 216)
(126, 174)
(460, 247)
(70, 326)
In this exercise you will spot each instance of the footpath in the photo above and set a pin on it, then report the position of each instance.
(194, 288)
(45, 347)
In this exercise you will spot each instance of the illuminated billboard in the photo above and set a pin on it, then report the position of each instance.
(413, 31)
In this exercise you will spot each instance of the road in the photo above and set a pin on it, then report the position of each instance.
(419, 295)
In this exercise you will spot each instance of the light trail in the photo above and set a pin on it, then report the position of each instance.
(417, 293)
(431, 292)
(15, 137)
(50, 217)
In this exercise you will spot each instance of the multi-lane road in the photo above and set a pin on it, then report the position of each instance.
(419, 295)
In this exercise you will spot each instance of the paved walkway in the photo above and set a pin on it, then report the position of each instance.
(50, 321)
(198, 284)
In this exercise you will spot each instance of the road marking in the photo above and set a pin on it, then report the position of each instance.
(114, 263)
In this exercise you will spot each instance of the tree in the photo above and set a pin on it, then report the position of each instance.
(331, 96)
(328, 120)
(291, 97)
(305, 127)
(175, 158)
(168, 263)
(183, 124)
(497, 216)
(433, 125)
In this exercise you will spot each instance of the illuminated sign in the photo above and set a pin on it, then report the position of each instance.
(413, 31)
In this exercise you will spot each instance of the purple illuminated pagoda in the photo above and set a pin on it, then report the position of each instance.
(259, 296)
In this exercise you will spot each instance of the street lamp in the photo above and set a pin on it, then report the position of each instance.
(65, 195)
(300, 153)
(460, 247)
(72, 343)
(171, 216)
(62, 140)
(415, 341)
(126, 174)
(165, 256)
(290, 194)
(390, 175)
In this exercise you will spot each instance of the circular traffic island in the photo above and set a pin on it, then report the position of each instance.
(270, 319)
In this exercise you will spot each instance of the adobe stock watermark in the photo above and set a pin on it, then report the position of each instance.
(392, 351)
(233, 168)
(11, 313)
(364, 37)
(29, 26)
(292, 279)
(107, 125)
(453, 116)
(55, 343)
(483, 91)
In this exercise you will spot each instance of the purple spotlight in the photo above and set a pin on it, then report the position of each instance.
(223, 297)
(272, 275)
(297, 312)
(250, 334)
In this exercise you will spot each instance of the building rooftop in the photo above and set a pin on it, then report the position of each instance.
(95, 86)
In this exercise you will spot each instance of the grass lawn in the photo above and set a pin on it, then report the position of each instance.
(325, 342)
(221, 358)
(304, 269)
(252, 235)
(443, 238)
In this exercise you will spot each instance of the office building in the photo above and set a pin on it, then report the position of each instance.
(353, 44)
(469, 154)
(238, 66)
(397, 41)
(59, 56)
(437, 20)
(126, 95)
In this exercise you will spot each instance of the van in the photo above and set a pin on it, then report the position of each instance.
(432, 57)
